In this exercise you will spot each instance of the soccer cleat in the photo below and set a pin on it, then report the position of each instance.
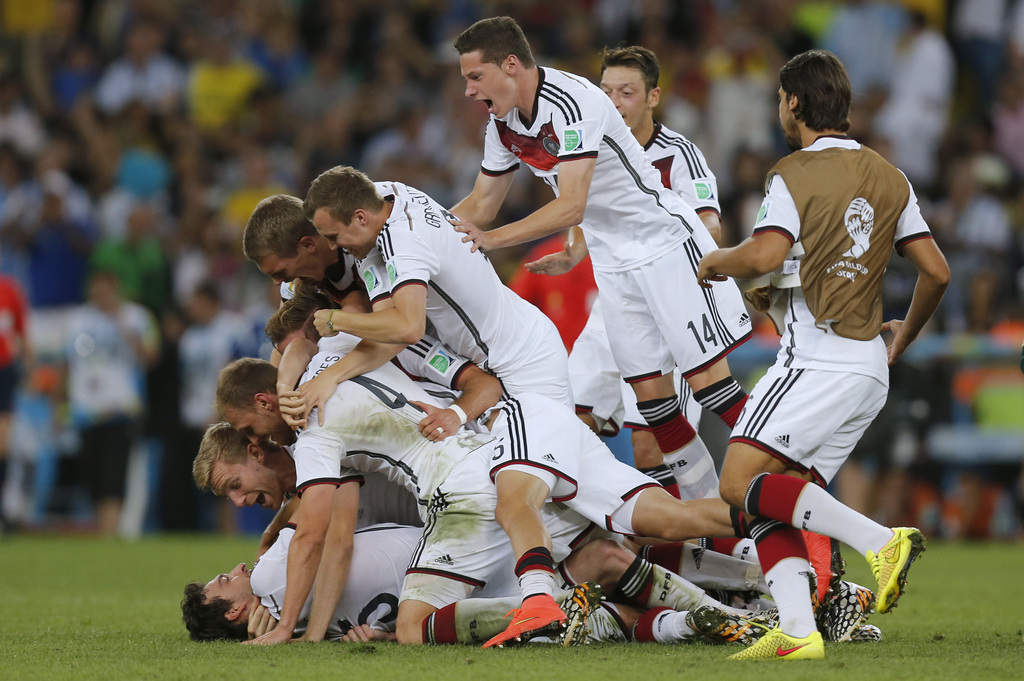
(578, 606)
(844, 612)
(775, 645)
(891, 564)
(866, 633)
(539, 616)
(726, 627)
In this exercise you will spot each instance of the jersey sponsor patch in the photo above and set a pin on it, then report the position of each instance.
(392, 272)
(703, 190)
(440, 360)
(370, 280)
(573, 139)
(763, 213)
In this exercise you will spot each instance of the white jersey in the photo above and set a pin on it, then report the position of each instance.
(380, 555)
(683, 169)
(630, 218)
(804, 345)
(370, 427)
(470, 309)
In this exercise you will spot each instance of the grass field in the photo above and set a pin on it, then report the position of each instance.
(84, 609)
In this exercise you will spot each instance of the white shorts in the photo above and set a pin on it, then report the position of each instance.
(808, 418)
(599, 389)
(464, 548)
(549, 442)
(658, 316)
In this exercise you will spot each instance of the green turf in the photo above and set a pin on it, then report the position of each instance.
(84, 609)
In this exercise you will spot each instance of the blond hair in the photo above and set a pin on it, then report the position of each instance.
(244, 378)
(342, 190)
(221, 443)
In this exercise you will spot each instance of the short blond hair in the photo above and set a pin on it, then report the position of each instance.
(221, 443)
(276, 226)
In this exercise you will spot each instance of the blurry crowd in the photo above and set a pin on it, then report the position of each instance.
(137, 135)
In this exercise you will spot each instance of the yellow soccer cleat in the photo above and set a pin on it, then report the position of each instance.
(890, 565)
(776, 645)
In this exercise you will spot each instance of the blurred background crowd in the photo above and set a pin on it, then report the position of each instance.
(137, 135)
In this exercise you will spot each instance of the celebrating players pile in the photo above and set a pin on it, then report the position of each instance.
(416, 428)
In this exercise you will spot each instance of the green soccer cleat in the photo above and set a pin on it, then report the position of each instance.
(891, 563)
(775, 645)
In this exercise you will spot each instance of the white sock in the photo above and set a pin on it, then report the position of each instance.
(789, 584)
(694, 470)
(818, 511)
(670, 627)
(534, 582)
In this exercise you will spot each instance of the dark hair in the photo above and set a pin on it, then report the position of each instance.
(205, 619)
(822, 88)
(496, 38)
(633, 57)
(342, 190)
(297, 314)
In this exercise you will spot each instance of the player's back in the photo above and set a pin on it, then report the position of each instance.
(472, 311)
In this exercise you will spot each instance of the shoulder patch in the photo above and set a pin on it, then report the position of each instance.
(573, 139)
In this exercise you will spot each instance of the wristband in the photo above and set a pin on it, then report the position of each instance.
(458, 412)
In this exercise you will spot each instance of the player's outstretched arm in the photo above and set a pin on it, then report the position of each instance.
(280, 519)
(332, 574)
(481, 206)
(756, 255)
(312, 521)
(572, 254)
(561, 213)
(932, 280)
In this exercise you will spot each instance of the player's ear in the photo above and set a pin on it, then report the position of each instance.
(654, 97)
(307, 243)
(255, 452)
(263, 401)
(235, 611)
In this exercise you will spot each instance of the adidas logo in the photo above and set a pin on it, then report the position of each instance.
(698, 555)
(446, 559)
(744, 319)
(549, 457)
(783, 440)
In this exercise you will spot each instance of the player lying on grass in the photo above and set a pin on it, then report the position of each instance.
(247, 473)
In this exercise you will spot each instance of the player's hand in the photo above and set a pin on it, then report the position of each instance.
(473, 234)
(706, 271)
(260, 621)
(293, 408)
(898, 344)
(271, 638)
(315, 394)
(364, 633)
(324, 320)
(438, 423)
(552, 264)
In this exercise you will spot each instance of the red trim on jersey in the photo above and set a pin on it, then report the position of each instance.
(664, 166)
(643, 377)
(337, 482)
(910, 239)
(410, 282)
(777, 230)
(723, 353)
(458, 374)
(636, 490)
(780, 456)
(531, 150)
(499, 173)
(534, 464)
(576, 157)
(708, 209)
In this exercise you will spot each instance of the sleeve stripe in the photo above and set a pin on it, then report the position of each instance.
(498, 173)
(318, 481)
(573, 157)
(458, 375)
(410, 282)
(913, 237)
(776, 229)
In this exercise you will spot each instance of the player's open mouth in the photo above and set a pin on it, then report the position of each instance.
(261, 500)
(490, 105)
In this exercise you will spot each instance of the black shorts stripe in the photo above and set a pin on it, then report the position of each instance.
(694, 255)
(767, 406)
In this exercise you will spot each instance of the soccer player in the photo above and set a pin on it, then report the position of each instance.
(372, 426)
(644, 240)
(629, 76)
(13, 349)
(832, 213)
